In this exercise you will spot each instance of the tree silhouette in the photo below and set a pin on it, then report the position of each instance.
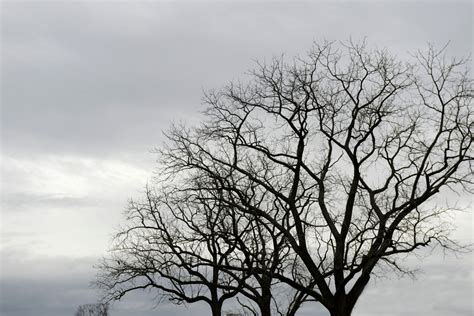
(332, 163)
(98, 309)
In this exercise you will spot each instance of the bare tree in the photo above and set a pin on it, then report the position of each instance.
(171, 245)
(259, 248)
(338, 156)
(183, 243)
(98, 309)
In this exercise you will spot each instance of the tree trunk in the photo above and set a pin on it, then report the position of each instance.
(266, 298)
(341, 312)
(216, 309)
(265, 307)
(343, 308)
(344, 303)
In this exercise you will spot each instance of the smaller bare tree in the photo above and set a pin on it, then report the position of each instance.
(172, 245)
(97, 309)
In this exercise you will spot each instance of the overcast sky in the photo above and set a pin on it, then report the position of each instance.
(88, 87)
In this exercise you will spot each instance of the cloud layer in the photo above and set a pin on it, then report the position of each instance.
(88, 88)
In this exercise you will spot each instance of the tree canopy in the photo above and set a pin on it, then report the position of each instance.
(302, 181)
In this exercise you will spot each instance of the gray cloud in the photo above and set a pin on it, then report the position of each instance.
(32, 285)
(50, 286)
(56, 286)
(87, 88)
(20, 200)
(442, 286)
(104, 78)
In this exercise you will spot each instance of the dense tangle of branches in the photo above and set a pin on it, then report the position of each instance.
(303, 182)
